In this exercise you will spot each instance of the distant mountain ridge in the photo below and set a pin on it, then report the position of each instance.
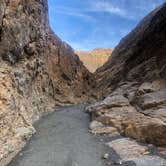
(95, 58)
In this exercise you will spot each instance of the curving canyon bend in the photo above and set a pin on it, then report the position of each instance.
(66, 107)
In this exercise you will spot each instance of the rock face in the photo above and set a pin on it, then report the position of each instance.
(95, 58)
(131, 151)
(37, 70)
(134, 81)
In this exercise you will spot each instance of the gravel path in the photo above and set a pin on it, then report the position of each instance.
(62, 139)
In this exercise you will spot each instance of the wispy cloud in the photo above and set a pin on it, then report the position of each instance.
(110, 8)
(72, 12)
(91, 7)
(97, 23)
(107, 7)
(131, 10)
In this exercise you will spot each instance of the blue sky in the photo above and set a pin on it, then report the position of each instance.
(89, 24)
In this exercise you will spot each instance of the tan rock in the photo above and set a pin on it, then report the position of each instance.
(105, 130)
(153, 99)
(146, 87)
(95, 124)
(95, 58)
(132, 123)
(128, 149)
(116, 101)
(25, 132)
(156, 113)
(131, 150)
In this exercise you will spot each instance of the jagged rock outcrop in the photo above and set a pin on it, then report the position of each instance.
(134, 81)
(95, 58)
(37, 71)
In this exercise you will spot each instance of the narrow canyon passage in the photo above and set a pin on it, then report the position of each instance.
(63, 139)
(39, 71)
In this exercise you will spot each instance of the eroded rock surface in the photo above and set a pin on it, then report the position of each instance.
(133, 82)
(140, 155)
(37, 71)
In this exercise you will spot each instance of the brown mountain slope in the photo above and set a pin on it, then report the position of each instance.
(37, 71)
(134, 79)
(95, 58)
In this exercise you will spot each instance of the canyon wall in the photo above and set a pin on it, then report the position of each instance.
(38, 71)
(133, 82)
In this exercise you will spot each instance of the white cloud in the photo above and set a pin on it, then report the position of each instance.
(105, 33)
(128, 9)
(107, 7)
(110, 8)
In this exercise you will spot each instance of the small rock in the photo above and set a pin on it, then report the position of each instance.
(118, 162)
(9, 148)
(146, 87)
(95, 124)
(105, 131)
(21, 154)
(106, 156)
(25, 132)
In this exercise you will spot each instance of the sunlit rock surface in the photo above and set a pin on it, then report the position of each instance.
(37, 71)
(95, 58)
(133, 83)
